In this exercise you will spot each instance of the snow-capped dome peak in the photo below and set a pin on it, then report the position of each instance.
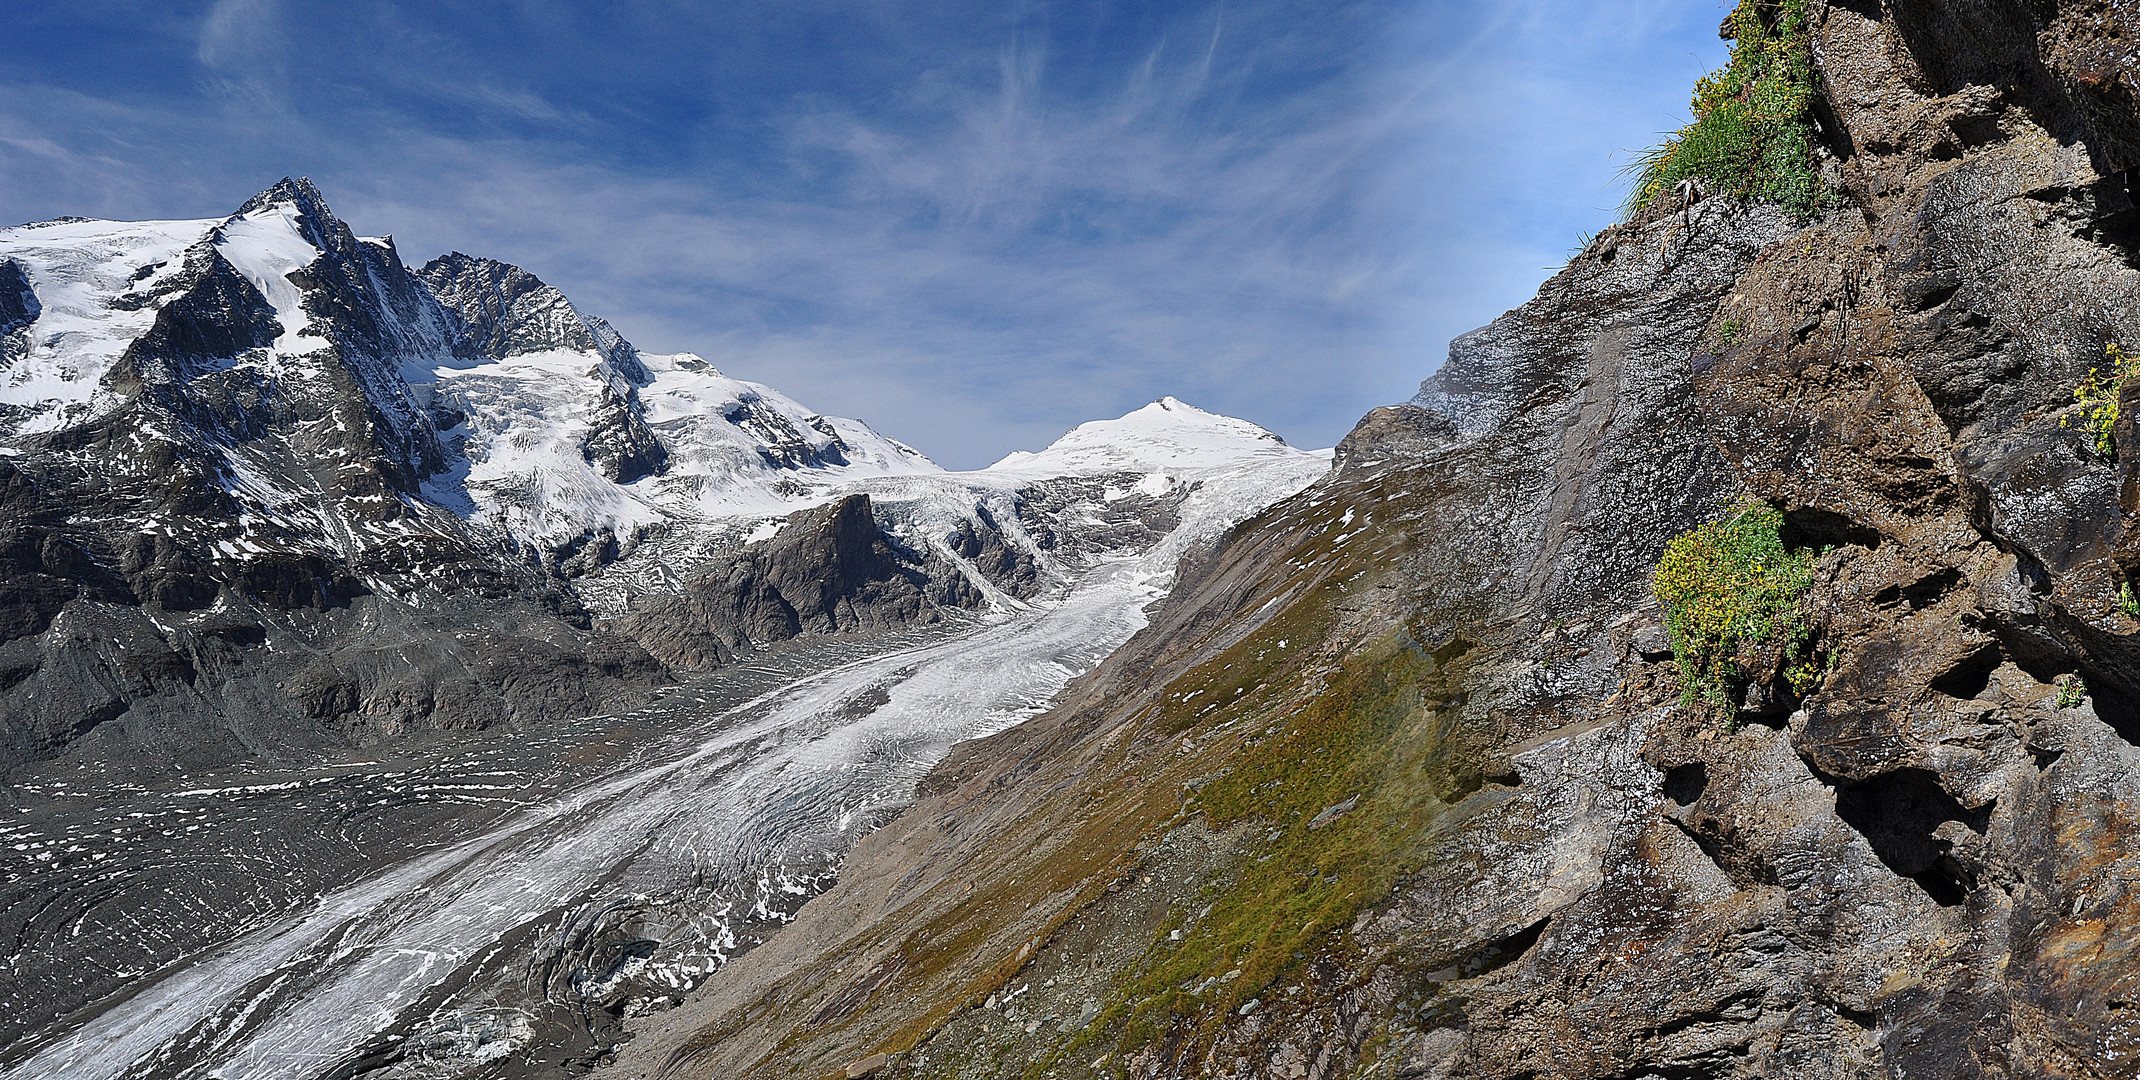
(1167, 434)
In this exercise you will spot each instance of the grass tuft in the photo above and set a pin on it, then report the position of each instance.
(2071, 691)
(1752, 133)
(1358, 741)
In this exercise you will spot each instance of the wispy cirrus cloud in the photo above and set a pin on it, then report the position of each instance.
(237, 34)
(973, 225)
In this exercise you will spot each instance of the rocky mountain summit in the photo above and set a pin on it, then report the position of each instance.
(1406, 780)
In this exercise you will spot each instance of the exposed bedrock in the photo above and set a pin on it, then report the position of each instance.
(829, 570)
(1400, 781)
(18, 301)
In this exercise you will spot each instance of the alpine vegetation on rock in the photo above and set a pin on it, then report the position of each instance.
(1405, 781)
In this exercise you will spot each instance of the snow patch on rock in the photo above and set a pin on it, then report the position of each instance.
(81, 272)
(266, 247)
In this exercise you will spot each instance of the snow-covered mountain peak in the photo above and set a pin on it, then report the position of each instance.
(296, 196)
(511, 312)
(1167, 434)
(266, 244)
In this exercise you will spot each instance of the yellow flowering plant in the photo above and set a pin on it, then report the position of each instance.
(1731, 594)
(2098, 398)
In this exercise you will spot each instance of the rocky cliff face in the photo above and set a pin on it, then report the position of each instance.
(829, 570)
(1400, 782)
(511, 313)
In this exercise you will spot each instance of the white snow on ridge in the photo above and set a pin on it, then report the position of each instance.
(530, 414)
(265, 246)
(1231, 470)
(523, 468)
(714, 427)
(740, 455)
(76, 268)
(1167, 434)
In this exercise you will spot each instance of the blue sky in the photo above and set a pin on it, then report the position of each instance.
(973, 225)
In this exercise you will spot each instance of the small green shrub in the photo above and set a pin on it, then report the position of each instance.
(1731, 593)
(2098, 398)
(1752, 133)
(2127, 602)
(2071, 691)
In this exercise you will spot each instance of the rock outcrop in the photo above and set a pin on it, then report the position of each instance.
(829, 570)
(1400, 782)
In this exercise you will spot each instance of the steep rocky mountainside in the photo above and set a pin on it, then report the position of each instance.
(266, 492)
(213, 456)
(1400, 782)
(829, 570)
